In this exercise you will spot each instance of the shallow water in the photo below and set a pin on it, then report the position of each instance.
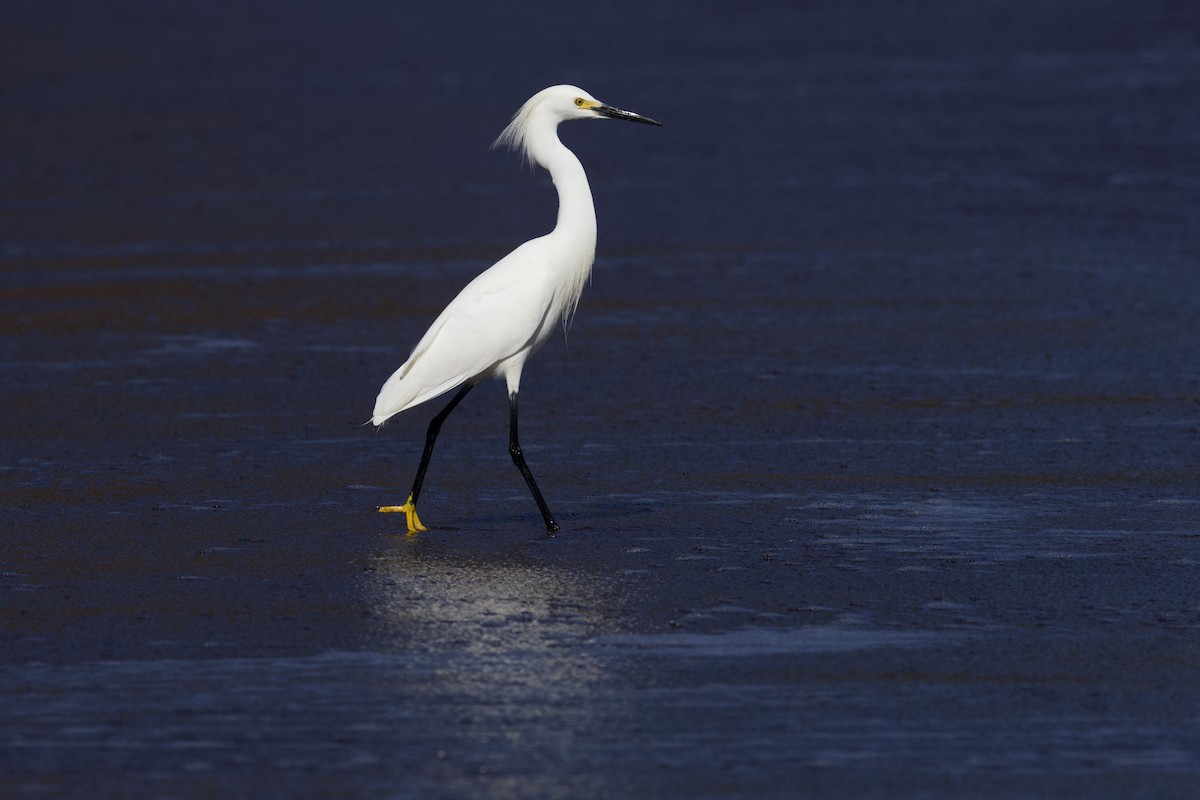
(874, 441)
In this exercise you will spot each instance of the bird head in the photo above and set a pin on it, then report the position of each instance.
(571, 102)
(546, 109)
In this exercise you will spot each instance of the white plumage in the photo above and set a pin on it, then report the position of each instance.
(506, 314)
(503, 316)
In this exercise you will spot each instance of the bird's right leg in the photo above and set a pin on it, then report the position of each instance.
(435, 426)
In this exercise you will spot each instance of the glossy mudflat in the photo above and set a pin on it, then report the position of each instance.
(874, 441)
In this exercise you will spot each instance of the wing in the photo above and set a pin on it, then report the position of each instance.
(493, 318)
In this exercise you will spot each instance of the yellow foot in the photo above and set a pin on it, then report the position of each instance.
(410, 514)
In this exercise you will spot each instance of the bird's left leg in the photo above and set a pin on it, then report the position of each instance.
(435, 426)
(514, 449)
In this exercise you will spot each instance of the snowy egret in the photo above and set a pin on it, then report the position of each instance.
(503, 316)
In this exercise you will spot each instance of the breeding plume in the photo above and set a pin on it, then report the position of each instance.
(503, 316)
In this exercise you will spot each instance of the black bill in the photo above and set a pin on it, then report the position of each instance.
(620, 113)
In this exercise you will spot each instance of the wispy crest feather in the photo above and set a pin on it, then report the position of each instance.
(515, 136)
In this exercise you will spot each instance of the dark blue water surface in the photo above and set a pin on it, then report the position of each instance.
(876, 440)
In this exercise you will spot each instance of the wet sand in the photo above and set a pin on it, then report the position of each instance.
(875, 440)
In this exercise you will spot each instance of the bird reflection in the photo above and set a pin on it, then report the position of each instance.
(495, 625)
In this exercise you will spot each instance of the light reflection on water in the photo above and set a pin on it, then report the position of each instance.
(512, 689)
(482, 682)
(504, 623)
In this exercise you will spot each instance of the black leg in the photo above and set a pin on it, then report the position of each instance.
(435, 426)
(409, 509)
(514, 449)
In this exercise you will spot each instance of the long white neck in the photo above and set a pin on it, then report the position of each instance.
(575, 232)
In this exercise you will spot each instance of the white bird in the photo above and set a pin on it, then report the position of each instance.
(503, 316)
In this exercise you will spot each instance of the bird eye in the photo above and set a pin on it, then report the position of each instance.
(579, 102)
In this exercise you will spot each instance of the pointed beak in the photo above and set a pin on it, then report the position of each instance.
(620, 113)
